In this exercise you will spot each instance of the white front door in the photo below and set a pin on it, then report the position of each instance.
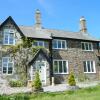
(41, 67)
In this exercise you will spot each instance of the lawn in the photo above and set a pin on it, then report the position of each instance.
(92, 93)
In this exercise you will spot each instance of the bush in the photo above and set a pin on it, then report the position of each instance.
(16, 83)
(37, 82)
(71, 79)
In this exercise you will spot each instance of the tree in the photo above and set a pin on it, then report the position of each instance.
(37, 82)
(21, 53)
(71, 79)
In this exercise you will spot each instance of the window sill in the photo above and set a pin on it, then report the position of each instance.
(88, 50)
(59, 49)
(90, 72)
(61, 73)
(7, 74)
(8, 44)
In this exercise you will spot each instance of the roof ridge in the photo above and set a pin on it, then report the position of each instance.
(61, 30)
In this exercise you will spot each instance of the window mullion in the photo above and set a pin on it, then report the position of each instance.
(86, 67)
(90, 67)
(62, 67)
(43, 44)
(91, 46)
(57, 44)
(65, 44)
(84, 46)
(94, 66)
(88, 46)
(8, 38)
(58, 66)
(61, 44)
(67, 66)
(7, 68)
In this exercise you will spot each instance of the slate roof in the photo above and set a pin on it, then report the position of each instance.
(36, 54)
(32, 32)
(44, 33)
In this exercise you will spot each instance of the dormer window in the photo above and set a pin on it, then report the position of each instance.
(9, 37)
(87, 46)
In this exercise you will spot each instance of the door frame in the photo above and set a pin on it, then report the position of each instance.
(45, 69)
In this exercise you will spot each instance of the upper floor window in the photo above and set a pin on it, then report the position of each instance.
(9, 37)
(89, 66)
(60, 66)
(87, 46)
(7, 65)
(41, 43)
(59, 44)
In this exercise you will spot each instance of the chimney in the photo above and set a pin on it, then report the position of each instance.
(38, 19)
(83, 25)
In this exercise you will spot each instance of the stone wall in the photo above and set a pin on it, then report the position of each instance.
(75, 56)
(3, 50)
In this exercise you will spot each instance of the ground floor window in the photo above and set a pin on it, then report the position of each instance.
(60, 66)
(89, 66)
(7, 65)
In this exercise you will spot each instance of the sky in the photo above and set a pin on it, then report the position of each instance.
(56, 14)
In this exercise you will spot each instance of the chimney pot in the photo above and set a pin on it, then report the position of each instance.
(38, 19)
(83, 27)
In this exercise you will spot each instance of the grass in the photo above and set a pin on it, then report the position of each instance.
(92, 93)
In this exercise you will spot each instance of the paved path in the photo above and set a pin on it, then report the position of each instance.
(60, 87)
(64, 87)
(9, 90)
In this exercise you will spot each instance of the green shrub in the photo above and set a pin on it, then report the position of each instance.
(71, 79)
(16, 83)
(37, 82)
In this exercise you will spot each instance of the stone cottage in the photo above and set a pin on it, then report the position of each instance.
(69, 51)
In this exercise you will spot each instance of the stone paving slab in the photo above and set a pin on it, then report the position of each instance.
(64, 87)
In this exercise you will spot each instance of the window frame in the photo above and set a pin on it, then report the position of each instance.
(57, 40)
(38, 43)
(94, 67)
(67, 68)
(87, 43)
(7, 66)
(8, 32)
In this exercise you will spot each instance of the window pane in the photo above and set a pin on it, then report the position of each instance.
(92, 68)
(46, 44)
(64, 66)
(90, 46)
(10, 70)
(55, 67)
(6, 39)
(60, 66)
(40, 43)
(86, 45)
(10, 64)
(63, 44)
(35, 43)
(54, 43)
(4, 70)
(88, 66)
(59, 44)
(5, 60)
(11, 40)
(83, 47)
(4, 64)
(84, 63)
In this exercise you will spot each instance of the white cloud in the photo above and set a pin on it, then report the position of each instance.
(48, 7)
